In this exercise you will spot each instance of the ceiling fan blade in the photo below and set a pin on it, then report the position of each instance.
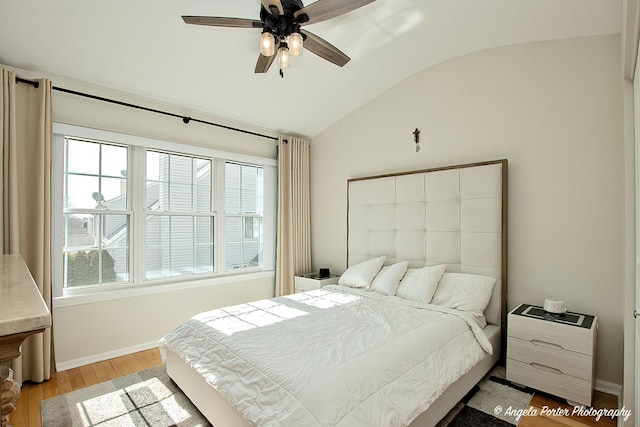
(269, 4)
(324, 49)
(264, 62)
(322, 10)
(216, 21)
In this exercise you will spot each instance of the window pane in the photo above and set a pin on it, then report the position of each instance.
(157, 166)
(81, 232)
(178, 183)
(180, 197)
(203, 198)
(157, 196)
(204, 245)
(83, 157)
(115, 265)
(232, 188)
(252, 189)
(78, 271)
(114, 161)
(158, 241)
(182, 245)
(252, 242)
(90, 184)
(97, 249)
(244, 242)
(244, 189)
(202, 185)
(82, 192)
(114, 192)
(115, 248)
(233, 242)
(179, 245)
(180, 169)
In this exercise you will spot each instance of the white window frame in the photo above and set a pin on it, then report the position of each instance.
(137, 186)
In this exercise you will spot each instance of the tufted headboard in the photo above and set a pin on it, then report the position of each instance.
(455, 215)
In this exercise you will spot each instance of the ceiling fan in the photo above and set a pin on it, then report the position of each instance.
(282, 36)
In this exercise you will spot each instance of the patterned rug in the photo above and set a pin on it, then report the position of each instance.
(494, 402)
(150, 398)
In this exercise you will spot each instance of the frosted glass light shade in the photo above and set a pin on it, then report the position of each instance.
(295, 44)
(284, 59)
(267, 44)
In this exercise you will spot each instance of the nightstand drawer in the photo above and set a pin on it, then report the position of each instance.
(545, 379)
(568, 337)
(543, 353)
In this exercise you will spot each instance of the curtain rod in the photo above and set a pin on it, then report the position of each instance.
(185, 119)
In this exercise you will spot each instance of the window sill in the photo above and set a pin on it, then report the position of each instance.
(140, 290)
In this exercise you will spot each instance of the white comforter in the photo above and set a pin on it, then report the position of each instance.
(331, 357)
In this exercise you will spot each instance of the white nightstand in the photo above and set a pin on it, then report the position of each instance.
(552, 353)
(311, 281)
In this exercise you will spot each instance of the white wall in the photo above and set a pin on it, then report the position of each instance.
(101, 330)
(92, 331)
(554, 110)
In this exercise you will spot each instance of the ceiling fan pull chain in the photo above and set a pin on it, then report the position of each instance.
(281, 74)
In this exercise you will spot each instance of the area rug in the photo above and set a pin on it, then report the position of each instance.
(494, 402)
(148, 398)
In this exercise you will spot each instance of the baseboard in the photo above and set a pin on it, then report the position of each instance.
(87, 360)
(609, 388)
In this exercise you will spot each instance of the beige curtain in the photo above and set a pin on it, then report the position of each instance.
(26, 129)
(293, 248)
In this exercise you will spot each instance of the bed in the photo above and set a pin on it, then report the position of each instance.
(346, 355)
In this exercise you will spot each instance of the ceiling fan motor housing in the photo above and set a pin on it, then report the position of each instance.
(283, 25)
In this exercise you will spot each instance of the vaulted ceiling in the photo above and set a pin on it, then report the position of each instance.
(144, 48)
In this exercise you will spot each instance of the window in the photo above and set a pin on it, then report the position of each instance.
(96, 216)
(129, 211)
(244, 201)
(179, 215)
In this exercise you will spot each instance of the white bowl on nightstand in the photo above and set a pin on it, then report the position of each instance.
(554, 306)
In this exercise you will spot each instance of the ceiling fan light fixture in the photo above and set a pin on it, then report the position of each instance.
(284, 58)
(267, 44)
(295, 44)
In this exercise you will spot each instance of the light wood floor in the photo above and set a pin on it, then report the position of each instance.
(27, 412)
(600, 401)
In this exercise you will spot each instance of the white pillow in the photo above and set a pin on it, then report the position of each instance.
(467, 292)
(387, 281)
(419, 284)
(360, 275)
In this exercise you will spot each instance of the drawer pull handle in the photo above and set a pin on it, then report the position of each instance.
(547, 344)
(547, 368)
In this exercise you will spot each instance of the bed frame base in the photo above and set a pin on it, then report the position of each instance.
(216, 408)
